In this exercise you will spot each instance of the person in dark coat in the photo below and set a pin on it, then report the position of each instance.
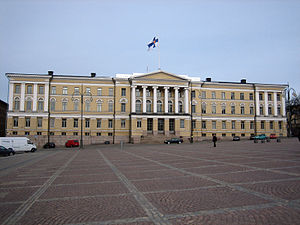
(214, 140)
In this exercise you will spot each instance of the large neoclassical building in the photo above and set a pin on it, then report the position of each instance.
(140, 108)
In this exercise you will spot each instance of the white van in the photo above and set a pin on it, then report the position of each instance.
(18, 144)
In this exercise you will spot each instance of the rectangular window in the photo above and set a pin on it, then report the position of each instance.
(64, 106)
(269, 97)
(193, 94)
(280, 125)
(242, 96)
(65, 90)
(109, 134)
(270, 110)
(261, 110)
(39, 121)
(139, 123)
(223, 124)
(98, 134)
(52, 105)
(213, 94)
(223, 96)
(38, 133)
(16, 121)
(123, 92)
(99, 122)
(138, 93)
(262, 125)
(63, 133)
(76, 105)
(110, 92)
(87, 90)
(110, 124)
(41, 89)
(213, 109)
(271, 125)
(251, 96)
(27, 122)
(123, 107)
(193, 124)
(52, 122)
(64, 123)
(223, 135)
(75, 123)
(29, 89)
(40, 105)
(53, 90)
(99, 107)
(223, 109)
(123, 123)
(193, 109)
(242, 110)
(278, 97)
(203, 94)
(251, 110)
(75, 133)
(28, 104)
(203, 108)
(87, 134)
(279, 110)
(15, 133)
(76, 91)
(232, 96)
(233, 124)
(181, 123)
(27, 133)
(203, 124)
(260, 96)
(251, 125)
(203, 135)
(214, 124)
(17, 88)
(99, 91)
(110, 106)
(159, 94)
(232, 109)
(242, 125)
(87, 123)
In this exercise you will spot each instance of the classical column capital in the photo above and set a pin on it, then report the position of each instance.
(144, 86)
(166, 88)
(155, 87)
(176, 88)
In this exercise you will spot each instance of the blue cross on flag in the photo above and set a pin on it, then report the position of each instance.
(152, 43)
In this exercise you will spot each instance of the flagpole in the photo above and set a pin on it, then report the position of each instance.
(158, 52)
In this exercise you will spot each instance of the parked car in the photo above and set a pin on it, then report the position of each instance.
(6, 151)
(18, 144)
(72, 143)
(252, 137)
(174, 140)
(49, 145)
(273, 136)
(260, 137)
(236, 138)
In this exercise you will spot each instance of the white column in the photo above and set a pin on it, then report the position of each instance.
(283, 104)
(34, 97)
(22, 103)
(266, 104)
(11, 97)
(176, 99)
(46, 98)
(186, 100)
(257, 103)
(166, 99)
(154, 99)
(144, 98)
(133, 99)
(275, 104)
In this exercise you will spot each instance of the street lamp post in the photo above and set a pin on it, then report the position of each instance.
(288, 90)
(82, 95)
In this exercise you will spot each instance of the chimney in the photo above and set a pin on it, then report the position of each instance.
(243, 81)
(93, 74)
(208, 79)
(50, 72)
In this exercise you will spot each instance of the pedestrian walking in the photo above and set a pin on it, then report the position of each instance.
(214, 140)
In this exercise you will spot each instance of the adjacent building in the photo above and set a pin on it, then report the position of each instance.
(3, 113)
(140, 107)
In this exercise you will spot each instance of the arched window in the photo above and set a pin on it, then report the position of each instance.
(110, 106)
(87, 105)
(99, 105)
(41, 104)
(17, 104)
(52, 104)
(170, 106)
(64, 104)
(76, 104)
(28, 104)
(148, 106)
(180, 107)
(138, 106)
(159, 106)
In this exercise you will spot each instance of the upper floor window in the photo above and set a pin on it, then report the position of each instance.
(16, 121)
(99, 106)
(41, 104)
(29, 89)
(110, 106)
(99, 123)
(159, 106)
(232, 124)
(123, 123)
(242, 97)
(53, 90)
(213, 109)
(64, 123)
(123, 90)
(232, 109)
(261, 110)
(203, 108)
(180, 107)
(203, 94)
(223, 96)
(27, 122)
(39, 121)
(65, 90)
(203, 124)
(251, 96)
(213, 94)
(270, 110)
(87, 106)
(41, 90)
(223, 109)
(88, 90)
(52, 104)
(260, 96)
(110, 92)
(148, 106)
(214, 124)
(193, 94)
(148, 93)
(223, 124)
(269, 97)
(76, 105)
(170, 106)
(158, 93)
(138, 106)
(242, 109)
(17, 104)
(75, 123)
(99, 91)
(17, 88)
(138, 93)
(29, 104)
(64, 105)
(242, 124)
(278, 97)
(87, 123)
(123, 107)
(251, 110)
(262, 125)
(110, 123)
(76, 91)
(232, 96)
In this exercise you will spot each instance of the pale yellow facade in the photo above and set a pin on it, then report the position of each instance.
(136, 107)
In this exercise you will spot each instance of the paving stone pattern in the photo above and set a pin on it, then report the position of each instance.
(234, 183)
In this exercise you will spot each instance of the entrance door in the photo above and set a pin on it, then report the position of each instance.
(149, 125)
(172, 125)
(161, 125)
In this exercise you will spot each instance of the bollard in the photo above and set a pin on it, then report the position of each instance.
(122, 144)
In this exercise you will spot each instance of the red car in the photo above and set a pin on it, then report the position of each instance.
(273, 136)
(72, 143)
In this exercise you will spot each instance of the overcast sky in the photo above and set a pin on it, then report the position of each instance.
(226, 40)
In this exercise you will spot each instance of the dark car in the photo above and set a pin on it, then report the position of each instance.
(72, 143)
(49, 145)
(236, 138)
(174, 140)
(6, 151)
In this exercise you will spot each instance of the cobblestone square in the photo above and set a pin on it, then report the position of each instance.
(235, 183)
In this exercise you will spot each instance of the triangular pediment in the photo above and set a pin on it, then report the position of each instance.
(160, 75)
